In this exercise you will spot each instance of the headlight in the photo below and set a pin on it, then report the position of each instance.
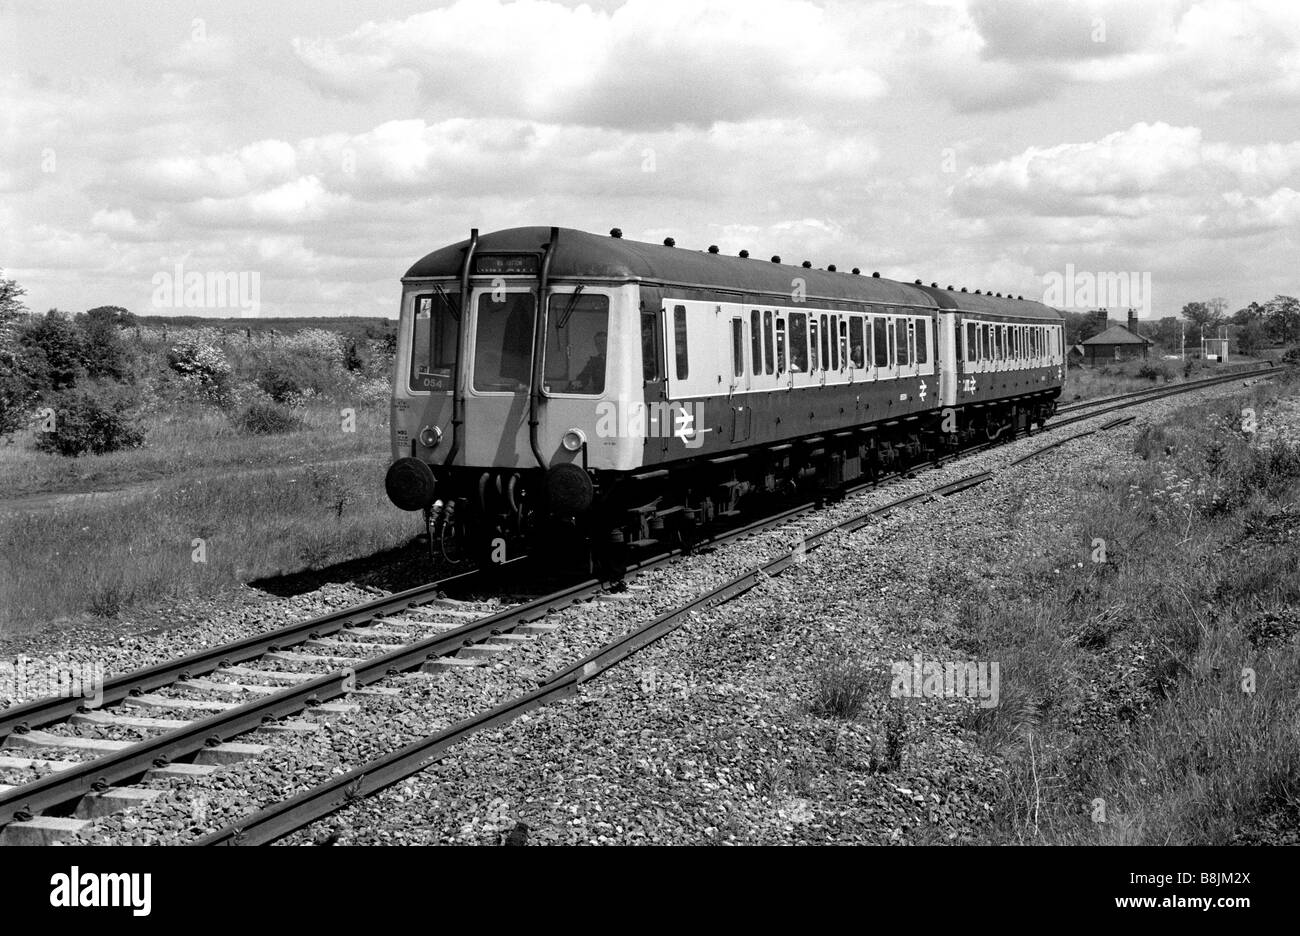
(430, 436)
(574, 440)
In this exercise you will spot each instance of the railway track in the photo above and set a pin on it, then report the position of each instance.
(281, 819)
(416, 630)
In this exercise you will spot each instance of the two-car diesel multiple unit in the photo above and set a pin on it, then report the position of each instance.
(557, 386)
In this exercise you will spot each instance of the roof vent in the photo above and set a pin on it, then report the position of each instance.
(950, 286)
(856, 271)
(713, 248)
(807, 264)
(934, 285)
(615, 232)
(977, 292)
(745, 254)
(963, 289)
(916, 282)
(1020, 297)
(831, 268)
(776, 258)
(669, 242)
(876, 275)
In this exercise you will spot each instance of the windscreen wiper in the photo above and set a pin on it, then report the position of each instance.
(563, 320)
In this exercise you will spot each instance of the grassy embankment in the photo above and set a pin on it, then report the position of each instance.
(1089, 383)
(1148, 694)
(263, 504)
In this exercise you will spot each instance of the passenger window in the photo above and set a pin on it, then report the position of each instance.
(922, 341)
(767, 340)
(835, 342)
(780, 346)
(857, 342)
(844, 341)
(987, 343)
(649, 356)
(826, 342)
(679, 342)
(900, 340)
(756, 343)
(880, 336)
(972, 343)
(812, 337)
(798, 343)
(737, 347)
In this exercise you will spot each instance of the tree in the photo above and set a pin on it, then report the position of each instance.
(57, 338)
(1251, 313)
(101, 349)
(1203, 316)
(113, 314)
(1283, 313)
(1251, 337)
(11, 304)
(1169, 333)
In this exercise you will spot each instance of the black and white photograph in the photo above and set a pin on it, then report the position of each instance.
(676, 423)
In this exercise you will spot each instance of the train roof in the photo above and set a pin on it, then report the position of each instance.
(982, 303)
(581, 255)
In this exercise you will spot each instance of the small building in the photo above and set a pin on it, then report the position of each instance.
(1117, 343)
(1075, 354)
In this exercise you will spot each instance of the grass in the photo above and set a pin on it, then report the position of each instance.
(1148, 690)
(191, 441)
(103, 559)
(1090, 383)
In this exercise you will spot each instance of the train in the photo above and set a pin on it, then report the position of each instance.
(563, 393)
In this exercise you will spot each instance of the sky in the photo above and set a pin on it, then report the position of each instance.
(317, 150)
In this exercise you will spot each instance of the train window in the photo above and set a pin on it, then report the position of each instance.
(798, 343)
(737, 347)
(998, 335)
(435, 333)
(922, 341)
(812, 339)
(780, 346)
(679, 342)
(857, 342)
(880, 334)
(826, 344)
(756, 342)
(576, 336)
(834, 338)
(649, 355)
(987, 343)
(972, 343)
(769, 359)
(900, 340)
(503, 336)
(844, 341)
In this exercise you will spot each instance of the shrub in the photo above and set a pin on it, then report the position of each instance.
(201, 364)
(1292, 356)
(102, 352)
(1150, 371)
(22, 378)
(278, 384)
(85, 422)
(55, 336)
(260, 418)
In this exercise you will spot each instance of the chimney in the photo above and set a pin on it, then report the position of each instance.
(1133, 321)
(1100, 315)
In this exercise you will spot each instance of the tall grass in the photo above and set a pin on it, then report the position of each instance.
(106, 558)
(1148, 694)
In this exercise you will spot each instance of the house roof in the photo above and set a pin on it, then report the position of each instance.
(1117, 334)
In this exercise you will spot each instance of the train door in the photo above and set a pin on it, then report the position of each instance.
(653, 382)
(738, 399)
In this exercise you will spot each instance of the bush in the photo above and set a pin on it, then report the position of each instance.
(203, 365)
(277, 383)
(85, 422)
(1292, 356)
(57, 338)
(1150, 371)
(261, 418)
(102, 352)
